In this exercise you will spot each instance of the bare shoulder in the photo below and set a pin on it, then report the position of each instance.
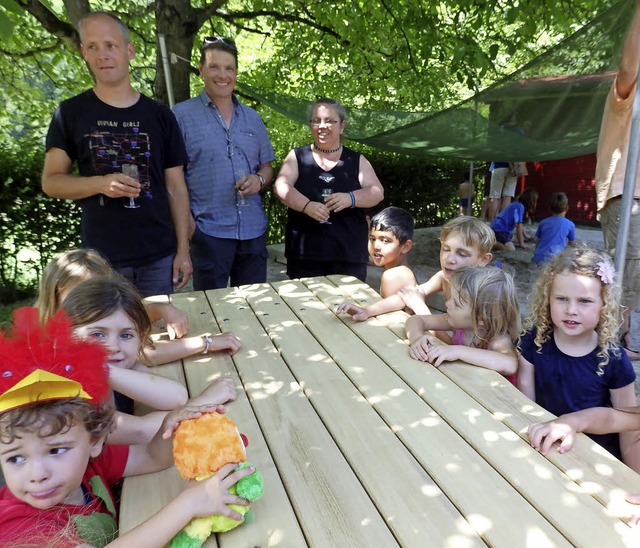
(396, 278)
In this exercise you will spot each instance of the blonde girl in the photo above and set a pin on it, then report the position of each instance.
(109, 309)
(568, 355)
(484, 318)
(68, 269)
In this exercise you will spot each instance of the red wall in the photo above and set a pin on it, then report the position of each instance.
(574, 177)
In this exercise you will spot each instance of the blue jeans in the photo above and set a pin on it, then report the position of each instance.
(218, 262)
(151, 279)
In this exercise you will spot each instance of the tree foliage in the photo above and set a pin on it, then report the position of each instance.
(421, 55)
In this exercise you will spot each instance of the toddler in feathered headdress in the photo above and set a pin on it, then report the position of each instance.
(58, 468)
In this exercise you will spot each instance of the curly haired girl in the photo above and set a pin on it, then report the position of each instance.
(569, 359)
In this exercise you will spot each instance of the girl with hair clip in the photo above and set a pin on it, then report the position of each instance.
(569, 358)
(483, 314)
(68, 269)
(109, 310)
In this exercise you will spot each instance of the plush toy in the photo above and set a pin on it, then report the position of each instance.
(200, 448)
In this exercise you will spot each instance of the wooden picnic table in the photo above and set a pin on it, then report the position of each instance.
(359, 445)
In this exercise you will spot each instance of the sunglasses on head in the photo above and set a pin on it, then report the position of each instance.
(214, 39)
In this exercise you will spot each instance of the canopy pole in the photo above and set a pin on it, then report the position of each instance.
(628, 191)
(471, 165)
(167, 72)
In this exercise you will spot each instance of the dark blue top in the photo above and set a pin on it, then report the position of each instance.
(565, 384)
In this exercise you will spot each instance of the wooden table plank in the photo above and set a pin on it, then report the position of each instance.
(332, 507)
(596, 470)
(588, 464)
(275, 521)
(498, 513)
(572, 510)
(411, 503)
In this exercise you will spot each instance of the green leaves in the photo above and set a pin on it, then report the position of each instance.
(6, 25)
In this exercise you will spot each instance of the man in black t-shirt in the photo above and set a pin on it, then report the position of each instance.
(130, 156)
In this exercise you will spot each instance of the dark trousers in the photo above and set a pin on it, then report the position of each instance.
(151, 279)
(218, 262)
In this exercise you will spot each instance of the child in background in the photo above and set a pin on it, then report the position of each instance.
(109, 310)
(68, 269)
(483, 314)
(59, 470)
(466, 192)
(390, 236)
(569, 359)
(554, 232)
(464, 242)
(510, 220)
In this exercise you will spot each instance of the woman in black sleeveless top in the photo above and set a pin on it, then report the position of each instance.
(327, 231)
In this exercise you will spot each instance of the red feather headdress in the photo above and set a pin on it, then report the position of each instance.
(46, 362)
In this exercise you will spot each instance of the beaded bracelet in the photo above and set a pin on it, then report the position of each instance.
(353, 200)
(207, 342)
(305, 206)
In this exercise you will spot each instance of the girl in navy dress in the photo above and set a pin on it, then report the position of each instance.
(569, 359)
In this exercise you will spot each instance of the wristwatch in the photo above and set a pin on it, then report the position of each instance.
(262, 181)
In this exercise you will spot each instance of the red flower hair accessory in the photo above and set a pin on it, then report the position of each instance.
(46, 362)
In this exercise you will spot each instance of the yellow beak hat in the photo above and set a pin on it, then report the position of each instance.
(40, 363)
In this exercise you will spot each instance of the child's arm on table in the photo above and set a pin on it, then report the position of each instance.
(359, 314)
(500, 356)
(622, 398)
(169, 351)
(132, 429)
(595, 420)
(175, 320)
(415, 300)
(418, 332)
(415, 297)
(152, 390)
(525, 380)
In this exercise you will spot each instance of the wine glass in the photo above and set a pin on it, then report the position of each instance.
(326, 192)
(239, 174)
(131, 170)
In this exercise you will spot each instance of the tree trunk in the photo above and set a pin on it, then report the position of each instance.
(177, 20)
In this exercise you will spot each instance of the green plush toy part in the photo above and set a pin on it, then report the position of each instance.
(201, 447)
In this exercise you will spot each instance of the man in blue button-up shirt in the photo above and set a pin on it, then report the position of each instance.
(229, 163)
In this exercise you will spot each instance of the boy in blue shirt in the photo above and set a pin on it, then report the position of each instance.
(554, 232)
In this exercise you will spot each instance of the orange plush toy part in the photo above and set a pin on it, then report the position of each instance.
(200, 448)
(192, 445)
